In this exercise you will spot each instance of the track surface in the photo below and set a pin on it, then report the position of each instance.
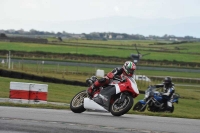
(27, 120)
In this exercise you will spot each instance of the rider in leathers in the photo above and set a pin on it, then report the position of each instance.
(168, 91)
(127, 70)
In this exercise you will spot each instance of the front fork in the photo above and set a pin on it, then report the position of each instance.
(145, 104)
(121, 98)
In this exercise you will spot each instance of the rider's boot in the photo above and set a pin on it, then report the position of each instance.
(97, 84)
(92, 91)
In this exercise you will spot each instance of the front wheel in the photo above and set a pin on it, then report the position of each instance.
(76, 104)
(171, 109)
(120, 108)
(139, 107)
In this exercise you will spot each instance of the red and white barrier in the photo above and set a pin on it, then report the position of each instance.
(19, 92)
(28, 93)
(38, 93)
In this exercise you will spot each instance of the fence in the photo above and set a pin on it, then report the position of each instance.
(63, 71)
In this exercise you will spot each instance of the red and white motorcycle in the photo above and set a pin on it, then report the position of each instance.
(116, 98)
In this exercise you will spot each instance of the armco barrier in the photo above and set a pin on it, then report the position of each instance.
(28, 93)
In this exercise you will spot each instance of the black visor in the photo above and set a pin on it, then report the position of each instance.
(130, 71)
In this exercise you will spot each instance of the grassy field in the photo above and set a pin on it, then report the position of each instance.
(188, 107)
(188, 52)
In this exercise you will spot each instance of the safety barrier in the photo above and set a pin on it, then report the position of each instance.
(32, 93)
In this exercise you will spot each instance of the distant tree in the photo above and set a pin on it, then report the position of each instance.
(32, 31)
(188, 37)
(60, 39)
(59, 34)
(3, 35)
(16, 32)
(41, 33)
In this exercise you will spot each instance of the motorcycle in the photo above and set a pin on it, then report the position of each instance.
(116, 98)
(153, 101)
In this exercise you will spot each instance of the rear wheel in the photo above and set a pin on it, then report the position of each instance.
(138, 106)
(119, 108)
(76, 104)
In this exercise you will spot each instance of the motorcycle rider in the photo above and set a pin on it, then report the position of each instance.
(126, 70)
(168, 91)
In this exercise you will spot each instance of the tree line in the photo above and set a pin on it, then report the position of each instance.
(99, 35)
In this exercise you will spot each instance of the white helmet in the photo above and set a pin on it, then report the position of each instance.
(129, 68)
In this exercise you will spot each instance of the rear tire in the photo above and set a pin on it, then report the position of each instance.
(138, 107)
(76, 104)
(118, 109)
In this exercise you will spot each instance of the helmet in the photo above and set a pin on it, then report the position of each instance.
(167, 81)
(129, 68)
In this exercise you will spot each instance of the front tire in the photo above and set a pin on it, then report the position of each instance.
(171, 110)
(138, 107)
(76, 104)
(118, 109)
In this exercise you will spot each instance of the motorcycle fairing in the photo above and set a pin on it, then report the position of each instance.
(175, 101)
(102, 101)
(158, 98)
(90, 104)
(129, 85)
(142, 102)
(105, 98)
(175, 98)
(107, 93)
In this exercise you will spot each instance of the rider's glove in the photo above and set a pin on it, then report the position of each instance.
(89, 82)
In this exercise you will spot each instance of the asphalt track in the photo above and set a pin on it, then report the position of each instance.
(28, 120)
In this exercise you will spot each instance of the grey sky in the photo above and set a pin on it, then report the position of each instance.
(16, 14)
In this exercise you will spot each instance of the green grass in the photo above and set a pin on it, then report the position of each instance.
(186, 108)
(141, 44)
(184, 56)
(168, 73)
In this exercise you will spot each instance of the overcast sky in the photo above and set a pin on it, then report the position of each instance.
(15, 14)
